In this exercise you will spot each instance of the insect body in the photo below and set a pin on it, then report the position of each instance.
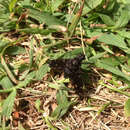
(70, 67)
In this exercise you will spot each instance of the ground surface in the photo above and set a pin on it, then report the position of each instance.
(65, 65)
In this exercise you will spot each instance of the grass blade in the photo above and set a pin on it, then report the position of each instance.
(114, 40)
(113, 70)
(75, 20)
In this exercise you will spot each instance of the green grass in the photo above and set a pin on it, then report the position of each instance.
(32, 32)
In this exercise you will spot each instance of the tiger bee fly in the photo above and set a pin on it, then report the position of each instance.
(70, 67)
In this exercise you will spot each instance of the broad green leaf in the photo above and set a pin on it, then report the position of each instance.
(42, 71)
(44, 17)
(24, 74)
(124, 33)
(28, 79)
(61, 96)
(90, 5)
(63, 104)
(36, 31)
(93, 32)
(8, 104)
(56, 112)
(114, 61)
(123, 19)
(97, 56)
(55, 4)
(15, 50)
(65, 109)
(12, 5)
(54, 56)
(6, 83)
(112, 69)
(111, 5)
(106, 19)
(21, 84)
(75, 52)
(127, 108)
(114, 40)
(59, 85)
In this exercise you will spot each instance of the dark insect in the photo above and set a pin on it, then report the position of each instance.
(70, 67)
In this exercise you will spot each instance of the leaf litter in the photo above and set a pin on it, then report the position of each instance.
(46, 99)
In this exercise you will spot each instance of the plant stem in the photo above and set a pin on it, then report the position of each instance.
(116, 90)
(10, 74)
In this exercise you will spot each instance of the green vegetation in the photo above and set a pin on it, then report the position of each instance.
(33, 32)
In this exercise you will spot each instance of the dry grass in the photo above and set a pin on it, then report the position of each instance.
(96, 107)
(84, 115)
